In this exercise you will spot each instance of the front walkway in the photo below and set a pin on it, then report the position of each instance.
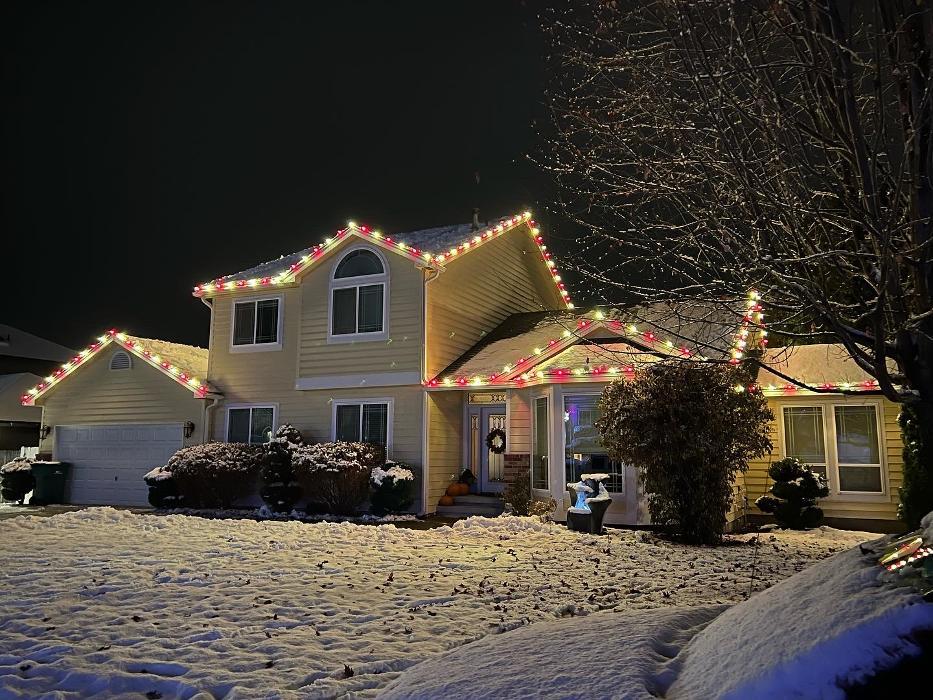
(112, 602)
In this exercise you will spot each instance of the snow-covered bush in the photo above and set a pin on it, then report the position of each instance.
(16, 480)
(336, 474)
(216, 473)
(280, 490)
(163, 489)
(289, 436)
(392, 488)
(793, 495)
(689, 432)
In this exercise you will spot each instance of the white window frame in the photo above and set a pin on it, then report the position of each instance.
(828, 408)
(254, 346)
(235, 406)
(563, 438)
(548, 424)
(129, 361)
(358, 281)
(390, 420)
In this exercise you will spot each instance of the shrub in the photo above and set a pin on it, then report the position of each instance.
(688, 431)
(290, 436)
(163, 489)
(542, 509)
(336, 474)
(16, 480)
(392, 488)
(215, 473)
(280, 490)
(793, 495)
(916, 494)
(517, 494)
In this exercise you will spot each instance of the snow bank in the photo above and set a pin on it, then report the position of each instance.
(555, 660)
(806, 637)
(507, 524)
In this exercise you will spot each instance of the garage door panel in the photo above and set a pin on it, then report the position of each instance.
(108, 462)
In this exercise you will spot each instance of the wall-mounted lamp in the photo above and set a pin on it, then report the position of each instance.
(189, 429)
(44, 431)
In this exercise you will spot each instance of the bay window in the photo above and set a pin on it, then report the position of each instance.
(840, 441)
(540, 438)
(583, 451)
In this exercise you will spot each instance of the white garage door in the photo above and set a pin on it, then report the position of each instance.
(108, 461)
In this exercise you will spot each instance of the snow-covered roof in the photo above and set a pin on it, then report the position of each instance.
(822, 366)
(434, 241)
(589, 345)
(185, 364)
(17, 343)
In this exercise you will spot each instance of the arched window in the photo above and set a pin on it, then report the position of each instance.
(358, 296)
(120, 360)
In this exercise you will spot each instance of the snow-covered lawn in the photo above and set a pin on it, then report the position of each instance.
(108, 602)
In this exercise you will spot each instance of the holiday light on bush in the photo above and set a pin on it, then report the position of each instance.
(179, 374)
(435, 261)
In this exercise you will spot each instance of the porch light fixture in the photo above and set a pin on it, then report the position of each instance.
(189, 428)
(45, 431)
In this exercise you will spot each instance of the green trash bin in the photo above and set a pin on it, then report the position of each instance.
(50, 482)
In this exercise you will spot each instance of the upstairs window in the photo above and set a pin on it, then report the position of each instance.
(256, 322)
(120, 360)
(358, 296)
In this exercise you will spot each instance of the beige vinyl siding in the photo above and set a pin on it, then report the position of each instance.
(477, 291)
(756, 481)
(312, 413)
(445, 441)
(401, 352)
(97, 395)
(519, 437)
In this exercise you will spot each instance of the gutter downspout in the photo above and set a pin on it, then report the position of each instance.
(430, 276)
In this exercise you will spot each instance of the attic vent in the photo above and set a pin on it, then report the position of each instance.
(120, 360)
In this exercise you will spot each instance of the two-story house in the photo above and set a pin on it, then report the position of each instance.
(455, 347)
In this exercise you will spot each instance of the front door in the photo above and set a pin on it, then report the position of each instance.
(491, 464)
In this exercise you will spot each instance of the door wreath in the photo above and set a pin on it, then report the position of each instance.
(495, 441)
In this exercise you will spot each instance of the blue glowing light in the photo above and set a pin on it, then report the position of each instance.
(581, 500)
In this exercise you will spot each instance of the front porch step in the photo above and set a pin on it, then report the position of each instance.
(465, 510)
(473, 499)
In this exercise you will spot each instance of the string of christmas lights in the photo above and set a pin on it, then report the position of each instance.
(180, 375)
(436, 261)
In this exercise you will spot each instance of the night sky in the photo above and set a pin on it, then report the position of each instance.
(152, 146)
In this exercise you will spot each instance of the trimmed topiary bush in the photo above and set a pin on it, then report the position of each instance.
(392, 488)
(793, 495)
(217, 473)
(290, 436)
(163, 489)
(688, 431)
(280, 489)
(336, 474)
(16, 480)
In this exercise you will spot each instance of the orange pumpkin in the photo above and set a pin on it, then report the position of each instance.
(453, 490)
(462, 489)
(445, 501)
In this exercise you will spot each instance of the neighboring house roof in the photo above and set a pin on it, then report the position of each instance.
(535, 346)
(12, 387)
(185, 364)
(17, 343)
(432, 247)
(825, 366)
